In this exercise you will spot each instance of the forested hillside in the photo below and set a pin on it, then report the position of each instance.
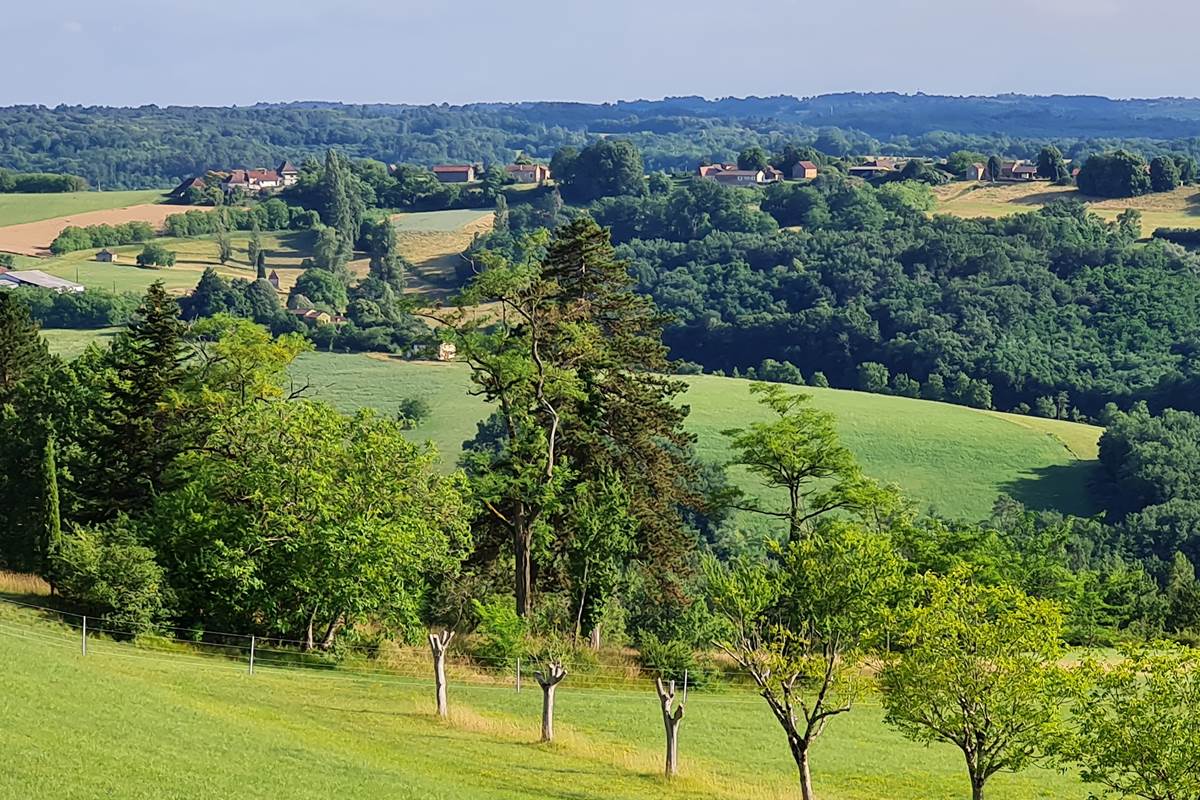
(150, 146)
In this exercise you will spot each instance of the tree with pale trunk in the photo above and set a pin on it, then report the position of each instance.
(979, 670)
(549, 677)
(672, 715)
(803, 622)
(439, 643)
(1133, 724)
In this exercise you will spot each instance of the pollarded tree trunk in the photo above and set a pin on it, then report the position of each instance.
(438, 643)
(549, 679)
(671, 720)
(595, 641)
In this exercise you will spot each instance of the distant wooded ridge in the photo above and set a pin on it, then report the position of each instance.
(153, 146)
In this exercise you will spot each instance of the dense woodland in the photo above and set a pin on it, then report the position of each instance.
(150, 147)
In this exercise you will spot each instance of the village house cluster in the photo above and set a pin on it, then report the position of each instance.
(247, 181)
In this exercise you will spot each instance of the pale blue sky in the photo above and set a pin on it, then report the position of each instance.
(129, 52)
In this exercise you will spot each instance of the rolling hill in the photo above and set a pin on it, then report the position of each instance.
(1177, 209)
(949, 457)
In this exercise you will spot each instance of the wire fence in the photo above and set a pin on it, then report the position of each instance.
(392, 665)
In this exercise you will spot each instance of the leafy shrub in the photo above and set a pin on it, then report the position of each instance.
(674, 658)
(108, 574)
(155, 255)
(500, 635)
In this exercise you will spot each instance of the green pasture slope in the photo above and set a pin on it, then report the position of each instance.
(952, 458)
(143, 724)
(17, 208)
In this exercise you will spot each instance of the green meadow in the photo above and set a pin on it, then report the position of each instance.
(17, 208)
(139, 723)
(948, 457)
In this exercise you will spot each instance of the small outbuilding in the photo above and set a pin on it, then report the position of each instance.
(106, 256)
(804, 171)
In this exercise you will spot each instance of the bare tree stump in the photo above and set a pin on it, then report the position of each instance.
(549, 679)
(438, 643)
(671, 720)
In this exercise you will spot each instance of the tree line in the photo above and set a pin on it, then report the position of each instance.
(159, 147)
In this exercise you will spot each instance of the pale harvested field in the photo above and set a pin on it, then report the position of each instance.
(1177, 209)
(434, 248)
(34, 238)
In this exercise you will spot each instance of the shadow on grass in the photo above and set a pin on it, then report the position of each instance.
(1065, 488)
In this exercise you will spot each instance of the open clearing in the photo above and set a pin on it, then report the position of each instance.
(30, 207)
(155, 724)
(953, 458)
(1177, 209)
(34, 238)
(432, 241)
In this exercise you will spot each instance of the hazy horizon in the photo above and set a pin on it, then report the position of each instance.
(219, 53)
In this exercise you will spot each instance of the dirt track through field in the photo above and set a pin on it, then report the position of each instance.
(34, 238)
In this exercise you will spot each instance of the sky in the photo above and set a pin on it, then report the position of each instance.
(239, 52)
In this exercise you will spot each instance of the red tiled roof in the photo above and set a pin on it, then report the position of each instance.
(807, 165)
(453, 168)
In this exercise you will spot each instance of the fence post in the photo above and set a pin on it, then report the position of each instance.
(83, 640)
(685, 687)
(518, 674)
(251, 655)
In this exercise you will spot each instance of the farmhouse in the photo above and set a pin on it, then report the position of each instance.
(730, 175)
(314, 317)
(804, 171)
(288, 174)
(528, 173)
(180, 191)
(11, 279)
(975, 172)
(455, 173)
(253, 180)
(446, 351)
(874, 167)
(106, 256)
(1018, 171)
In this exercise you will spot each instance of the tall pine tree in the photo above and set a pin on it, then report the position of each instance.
(139, 424)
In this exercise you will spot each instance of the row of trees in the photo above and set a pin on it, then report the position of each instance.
(1121, 173)
(40, 182)
(74, 237)
(271, 215)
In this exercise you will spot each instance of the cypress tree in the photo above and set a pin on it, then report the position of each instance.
(52, 512)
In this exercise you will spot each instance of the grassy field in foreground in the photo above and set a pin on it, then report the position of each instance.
(18, 208)
(953, 458)
(134, 723)
(1177, 209)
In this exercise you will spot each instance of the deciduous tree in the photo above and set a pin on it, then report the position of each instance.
(979, 670)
